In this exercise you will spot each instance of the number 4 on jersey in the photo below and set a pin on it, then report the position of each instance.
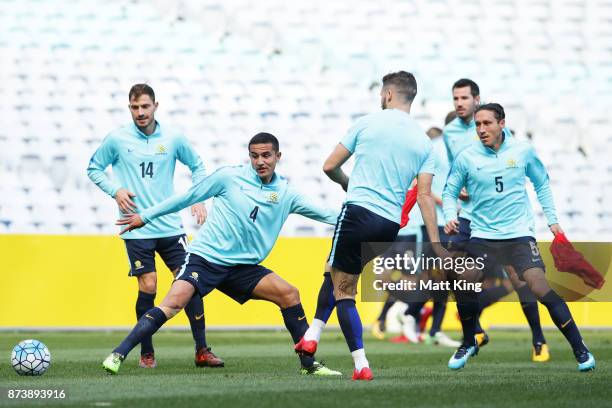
(253, 214)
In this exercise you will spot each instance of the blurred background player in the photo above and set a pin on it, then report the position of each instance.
(494, 173)
(390, 150)
(415, 314)
(143, 156)
(459, 134)
(326, 301)
(252, 203)
(407, 234)
(412, 316)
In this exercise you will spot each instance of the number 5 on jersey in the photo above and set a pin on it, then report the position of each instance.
(499, 184)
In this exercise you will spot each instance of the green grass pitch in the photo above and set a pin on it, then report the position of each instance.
(261, 371)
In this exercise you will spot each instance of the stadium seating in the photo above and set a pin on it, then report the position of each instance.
(223, 71)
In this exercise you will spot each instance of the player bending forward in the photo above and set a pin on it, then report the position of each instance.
(251, 204)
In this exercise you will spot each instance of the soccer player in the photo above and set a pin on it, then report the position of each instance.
(390, 150)
(494, 172)
(413, 313)
(406, 240)
(251, 204)
(458, 135)
(143, 156)
(416, 300)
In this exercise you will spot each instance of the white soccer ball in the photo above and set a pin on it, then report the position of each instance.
(30, 357)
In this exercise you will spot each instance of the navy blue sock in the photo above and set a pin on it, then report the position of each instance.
(350, 323)
(148, 324)
(145, 302)
(414, 310)
(326, 301)
(467, 305)
(439, 309)
(529, 303)
(560, 314)
(295, 321)
(195, 312)
(491, 295)
(478, 328)
(382, 317)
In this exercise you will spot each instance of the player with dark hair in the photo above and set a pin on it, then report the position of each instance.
(251, 204)
(143, 156)
(458, 135)
(390, 151)
(494, 173)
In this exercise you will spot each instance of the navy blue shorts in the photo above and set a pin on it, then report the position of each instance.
(357, 225)
(237, 281)
(403, 244)
(522, 253)
(141, 253)
(459, 242)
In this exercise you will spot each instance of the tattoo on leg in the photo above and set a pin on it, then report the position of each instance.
(347, 286)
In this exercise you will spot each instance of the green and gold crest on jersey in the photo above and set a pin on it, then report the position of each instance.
(272, 197)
